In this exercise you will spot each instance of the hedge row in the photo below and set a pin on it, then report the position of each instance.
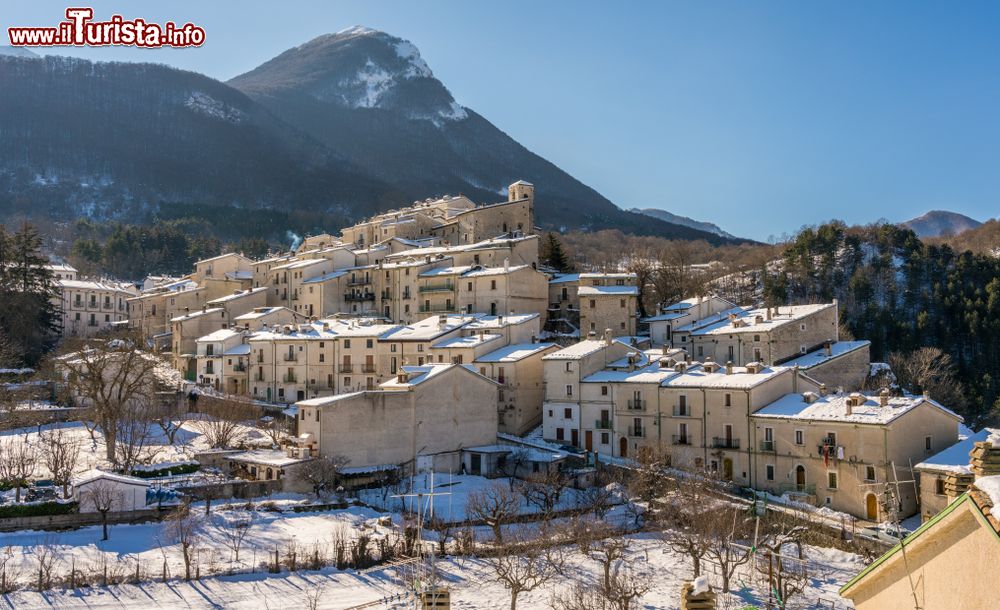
(43, 509)
(167, 472)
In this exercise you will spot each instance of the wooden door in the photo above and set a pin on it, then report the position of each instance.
(623, 447)
(588, 440)
(872, 506)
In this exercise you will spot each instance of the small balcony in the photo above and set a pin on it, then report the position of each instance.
(767, 446)
(602, 424)
(289, 378)
(636, 404)
(258, 377)
(239, 368)
(445, 287)
(359, 296)
(681, 439)
(290, 357)
(432, 308)
(359, 282)
(345, 368)
(725, 443)
(682, 411)
(636, 432)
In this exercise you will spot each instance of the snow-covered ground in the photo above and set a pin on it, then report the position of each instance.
(470, 580)
(187, 441)
(452, 496)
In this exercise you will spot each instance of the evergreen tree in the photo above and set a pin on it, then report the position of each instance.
(553, 254)
(29, 314)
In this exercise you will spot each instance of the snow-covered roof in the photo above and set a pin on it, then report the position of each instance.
(95, 475)
(715, 318)
(220, 335)
(483, 321)
(220, 257)
(88, 285)
(326, 277)
(468, 341)
(239, 275)
(439, 271)
(650, 373)
(487, 271)
(515, 352)
(577, 350)
(956, 457)
(196, 314)
(833, 407)
(241, 349)
(268, 457)
(564, 278)
(991, 487)
(749, 320)
(237, 295)
(300, 264)
(258, 313)
(818, 356)
(588, 291)
(597, 275)
(419, 374)
(740, 379)
(664, 317)
(426, 329)
(322, 401)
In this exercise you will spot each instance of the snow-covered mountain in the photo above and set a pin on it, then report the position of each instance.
(941, 222)
(333, 130)
(17, 51)
(372, 99)
(684, 221)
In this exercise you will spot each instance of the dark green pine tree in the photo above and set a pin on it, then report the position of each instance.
(29, 314)
(554, 255)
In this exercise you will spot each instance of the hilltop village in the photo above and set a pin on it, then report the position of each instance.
(432, 339)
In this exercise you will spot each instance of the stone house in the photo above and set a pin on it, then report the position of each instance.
(420, 420)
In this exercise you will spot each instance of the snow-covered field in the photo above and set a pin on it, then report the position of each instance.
(92, 450)
(469, 579)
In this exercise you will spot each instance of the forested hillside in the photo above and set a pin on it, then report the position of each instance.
(903, 295)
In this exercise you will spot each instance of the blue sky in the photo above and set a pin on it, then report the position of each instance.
(758, 116)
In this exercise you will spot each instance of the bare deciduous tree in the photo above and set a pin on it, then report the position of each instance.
(10, 571)
(544, 490)
(521, 570)
(494, 505)
(221, 420)
(234, 530)
(724, 527)
(931, 371)
(182, 526)
(323, 474)
(17, 463)
(133, 437)
(110, 378)
(104, 497)
(60, 453)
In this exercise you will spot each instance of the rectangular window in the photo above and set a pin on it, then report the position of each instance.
(604, 390)
(347, 344)
(569, 390)
(928, 445)
(605, 439)
(368, 343)
(769, 472)
(869, 473)
(567, 413)
(729, 400)
(831, 480)
(799, 438)
(559, 434)
(939, 486)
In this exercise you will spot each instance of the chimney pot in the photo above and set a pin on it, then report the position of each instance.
(729, 367)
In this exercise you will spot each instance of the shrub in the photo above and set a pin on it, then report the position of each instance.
(43, 509)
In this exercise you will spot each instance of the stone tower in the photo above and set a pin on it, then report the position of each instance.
(520, 191)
